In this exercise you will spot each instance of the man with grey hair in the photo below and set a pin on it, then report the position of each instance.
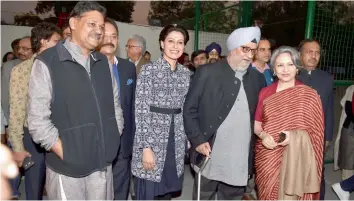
(72, 112)
(136, 47)
(219, 116)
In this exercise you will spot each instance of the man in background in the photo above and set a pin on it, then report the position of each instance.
(147, 56)
(24, 53)
(124, 74)
(43, 36)
(213, 51)
(199, 58)
(322, 82)
(261, 59)
(66, 32)
(14, 46)
(136, 47)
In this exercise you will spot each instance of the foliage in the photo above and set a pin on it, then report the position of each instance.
(183, 12)
(117, 10)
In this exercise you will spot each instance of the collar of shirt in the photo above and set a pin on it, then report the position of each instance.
(137, 61)
(167, 65)
(256, 67)
(309, 72)
(75, 49)
(115, 61)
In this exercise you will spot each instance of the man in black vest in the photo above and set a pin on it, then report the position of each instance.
(322, 82)
(71, 111)
(123, 72)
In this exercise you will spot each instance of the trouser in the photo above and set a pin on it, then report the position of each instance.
(15, 184)
(96, 186)
(121, 177)
(35, 175)
(348, 184)
(210, 188)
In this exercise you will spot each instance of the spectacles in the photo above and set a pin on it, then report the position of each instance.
(130, 46)
(248, 49)
(23, 48)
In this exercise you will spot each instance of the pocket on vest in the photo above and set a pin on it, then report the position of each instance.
(80, 145)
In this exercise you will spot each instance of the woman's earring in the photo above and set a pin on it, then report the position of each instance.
(274, 74)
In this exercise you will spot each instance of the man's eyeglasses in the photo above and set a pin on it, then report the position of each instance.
(23, 48)
(248, 49)
(130, 46)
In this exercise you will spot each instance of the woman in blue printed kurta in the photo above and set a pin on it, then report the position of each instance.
(160, 141)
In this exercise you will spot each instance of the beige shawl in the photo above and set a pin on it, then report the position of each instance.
(347, 97)
(298, 172)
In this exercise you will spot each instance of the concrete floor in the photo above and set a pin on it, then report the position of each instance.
(331, 177)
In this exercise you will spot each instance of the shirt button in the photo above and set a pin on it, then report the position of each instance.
(235, 82)
(211, 126)
(227, 106)
(220, 118)
(205, 133)
(232, 94)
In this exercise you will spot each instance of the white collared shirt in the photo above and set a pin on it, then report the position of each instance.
(117, 106)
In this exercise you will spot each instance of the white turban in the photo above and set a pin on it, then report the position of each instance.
(243, 36)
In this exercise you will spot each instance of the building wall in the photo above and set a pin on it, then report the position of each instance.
(150, 33)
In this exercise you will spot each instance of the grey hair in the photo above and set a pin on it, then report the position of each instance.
(294, 54)
(141, 42)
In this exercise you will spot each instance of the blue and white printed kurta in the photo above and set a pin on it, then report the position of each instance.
(159, 86)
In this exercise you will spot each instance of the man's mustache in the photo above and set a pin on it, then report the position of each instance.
(109, 44)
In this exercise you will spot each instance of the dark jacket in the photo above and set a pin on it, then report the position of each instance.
(212, 93)
(83, 112)
(127, 79)
(322, 82)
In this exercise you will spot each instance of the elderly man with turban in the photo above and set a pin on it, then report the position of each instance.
(213, 51)
(218, 117)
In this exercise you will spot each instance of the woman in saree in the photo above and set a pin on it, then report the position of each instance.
(284, 107)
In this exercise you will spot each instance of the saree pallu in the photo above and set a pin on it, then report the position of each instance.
(297, 108)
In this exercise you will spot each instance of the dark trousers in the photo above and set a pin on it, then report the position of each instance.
(348, 184)
(121, 177)
(34, 176)
(210, 188)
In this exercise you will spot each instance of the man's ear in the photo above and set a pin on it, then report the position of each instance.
(72, 23)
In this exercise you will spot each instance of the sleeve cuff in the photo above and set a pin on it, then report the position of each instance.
(49, 146)
(18, 147)
(196, 141)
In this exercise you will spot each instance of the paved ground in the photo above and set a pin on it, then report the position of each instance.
(330, 177)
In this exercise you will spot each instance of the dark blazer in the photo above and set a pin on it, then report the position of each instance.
(127, 79)
(212, 93)
(322, 82)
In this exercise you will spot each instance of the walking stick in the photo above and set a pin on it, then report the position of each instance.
(206, 160)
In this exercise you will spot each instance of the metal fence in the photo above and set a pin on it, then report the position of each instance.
(327, 23)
